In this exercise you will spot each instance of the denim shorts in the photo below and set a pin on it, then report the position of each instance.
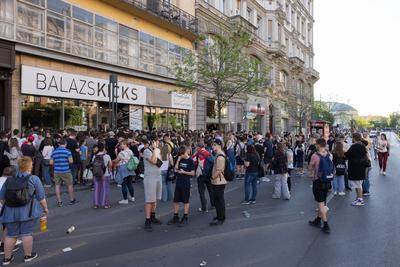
(16, 229)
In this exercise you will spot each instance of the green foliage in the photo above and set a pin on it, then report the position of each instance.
(361, 122)
(223, 68)
(321, 112)
(394, 119)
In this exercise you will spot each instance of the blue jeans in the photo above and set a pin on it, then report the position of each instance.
(74, 172)
(250, 186)
(365, 184)
(127, 186)
(338, 183)
(167, 193)
(46, 173)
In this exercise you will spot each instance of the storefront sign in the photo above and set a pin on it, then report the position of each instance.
(257, 110)
(43, 82)
(181, 101)
(135, 118)
(251, 115)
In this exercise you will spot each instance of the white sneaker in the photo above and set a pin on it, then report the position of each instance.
(342, 193)
(335, 193)
(19, 242)
(123, 202)
(132, 199)
(384, 173)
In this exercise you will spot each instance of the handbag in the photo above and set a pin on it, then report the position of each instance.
(171, 174)
(87, 174)
(261, 171)
(159, 163)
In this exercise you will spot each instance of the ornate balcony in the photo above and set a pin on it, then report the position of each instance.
(161, 13)
(313, 74)
(297, 63)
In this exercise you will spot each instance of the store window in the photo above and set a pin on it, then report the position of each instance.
(128, 46)
(165, 118)
(161, 58)
(58, 31)
(174, 54)
(44, 112)
(212, 110)
(80, 114)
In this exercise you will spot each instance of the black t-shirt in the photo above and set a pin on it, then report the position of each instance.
(28, 150)
(254, 160)
(72, 145)
(183, 180)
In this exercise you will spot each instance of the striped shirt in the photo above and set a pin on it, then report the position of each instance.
(60, 157)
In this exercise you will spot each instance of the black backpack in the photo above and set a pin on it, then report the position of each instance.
(17, 192)
(174, 152)
(98, 167)
(340, 166)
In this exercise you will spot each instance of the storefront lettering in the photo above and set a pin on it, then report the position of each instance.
(37, 81)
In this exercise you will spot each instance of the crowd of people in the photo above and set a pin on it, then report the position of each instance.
(167, 162)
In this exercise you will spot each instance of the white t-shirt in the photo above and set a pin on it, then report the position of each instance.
(47, 152)
(2, 181)
(125, 156)
(151, 170)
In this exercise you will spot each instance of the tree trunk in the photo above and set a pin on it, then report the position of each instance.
(219, 110)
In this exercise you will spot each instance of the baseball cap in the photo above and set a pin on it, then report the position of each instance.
(218, 142)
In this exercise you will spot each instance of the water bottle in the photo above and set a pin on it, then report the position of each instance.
(43, 224)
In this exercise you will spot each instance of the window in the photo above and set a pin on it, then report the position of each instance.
(287, 12)
(82, 15)
(59, 7)
(106, 39)
(221, 6)
(146, 52)
(269, 30)
(174, 54)
(300, 88)
(212, 109)
(128, 46)
(283, 79)
(58, 31)
(7, 18)
(256, 66)
(303, 29)
(279, 33)
(83, 39)
(161, 52)
(249, 12)
(30, 24)
(298, 23)
(293, 18)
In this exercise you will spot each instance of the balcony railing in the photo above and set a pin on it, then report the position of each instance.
(298, 62)
(167, 11)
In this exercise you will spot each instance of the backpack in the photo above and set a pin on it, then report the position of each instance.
(208, 166)
(228, 171)
(132, 164)
(242, 152)
(325, 170)
(98, 167)
(174, 152)
(17, 192)
(340, 167)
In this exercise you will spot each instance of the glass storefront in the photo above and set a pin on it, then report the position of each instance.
(47, 112)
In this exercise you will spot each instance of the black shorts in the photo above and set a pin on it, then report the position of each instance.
(182, 195)
(239, 161)
(320, 190)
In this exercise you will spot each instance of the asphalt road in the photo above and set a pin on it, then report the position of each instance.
(275, 234)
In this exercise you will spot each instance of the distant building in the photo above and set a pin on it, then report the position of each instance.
(343, 114)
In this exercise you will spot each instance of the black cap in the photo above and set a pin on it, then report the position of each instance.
(218, 142)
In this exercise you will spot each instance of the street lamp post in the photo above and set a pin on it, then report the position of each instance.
(113, 99)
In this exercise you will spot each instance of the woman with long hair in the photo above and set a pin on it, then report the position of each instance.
(339, 163)
(102, 183)
(47, 152)
(280, 168)
(15, 152)
(383, 153)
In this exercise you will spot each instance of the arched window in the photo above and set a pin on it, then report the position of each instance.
(256, 65)
(300, 87)
(283, 79)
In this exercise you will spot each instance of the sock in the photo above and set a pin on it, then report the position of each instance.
(185, 215)
(147, 220)
(176, 215)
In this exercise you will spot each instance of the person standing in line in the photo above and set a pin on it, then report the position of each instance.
(375, 146)
(102, 181)
(366, 184)
(358, 161)
(299, 152)
(202, 159)
(251, 162)
(269, 153)
(73, 147)
(167, 170)
(124, 176)
(289, 156)
(15, 153)
(61, 159)
(218, 183)
(47, 153)
(21, 220)
(339, 162)
(280, 168)
(320, 187)
(383, 153)
(83, 152)
(240, 156)
(151, 182)
(184, 170)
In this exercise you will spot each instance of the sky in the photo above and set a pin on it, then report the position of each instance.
(357, 53)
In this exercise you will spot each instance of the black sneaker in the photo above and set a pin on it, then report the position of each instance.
(326, 229)
(184, 221)
(30, 258)
(174, 220)
(59, 204)
(73, 202)
(154, 220)
(216, 222)
(316, 222)
(147, 226)
(8, 261)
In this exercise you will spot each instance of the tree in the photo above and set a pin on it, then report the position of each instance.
(300, 109)
(361, 123)
(222, 68)
(321, 112)
(394, 119)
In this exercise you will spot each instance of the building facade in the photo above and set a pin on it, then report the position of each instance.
(56, 58)
(283, 32)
